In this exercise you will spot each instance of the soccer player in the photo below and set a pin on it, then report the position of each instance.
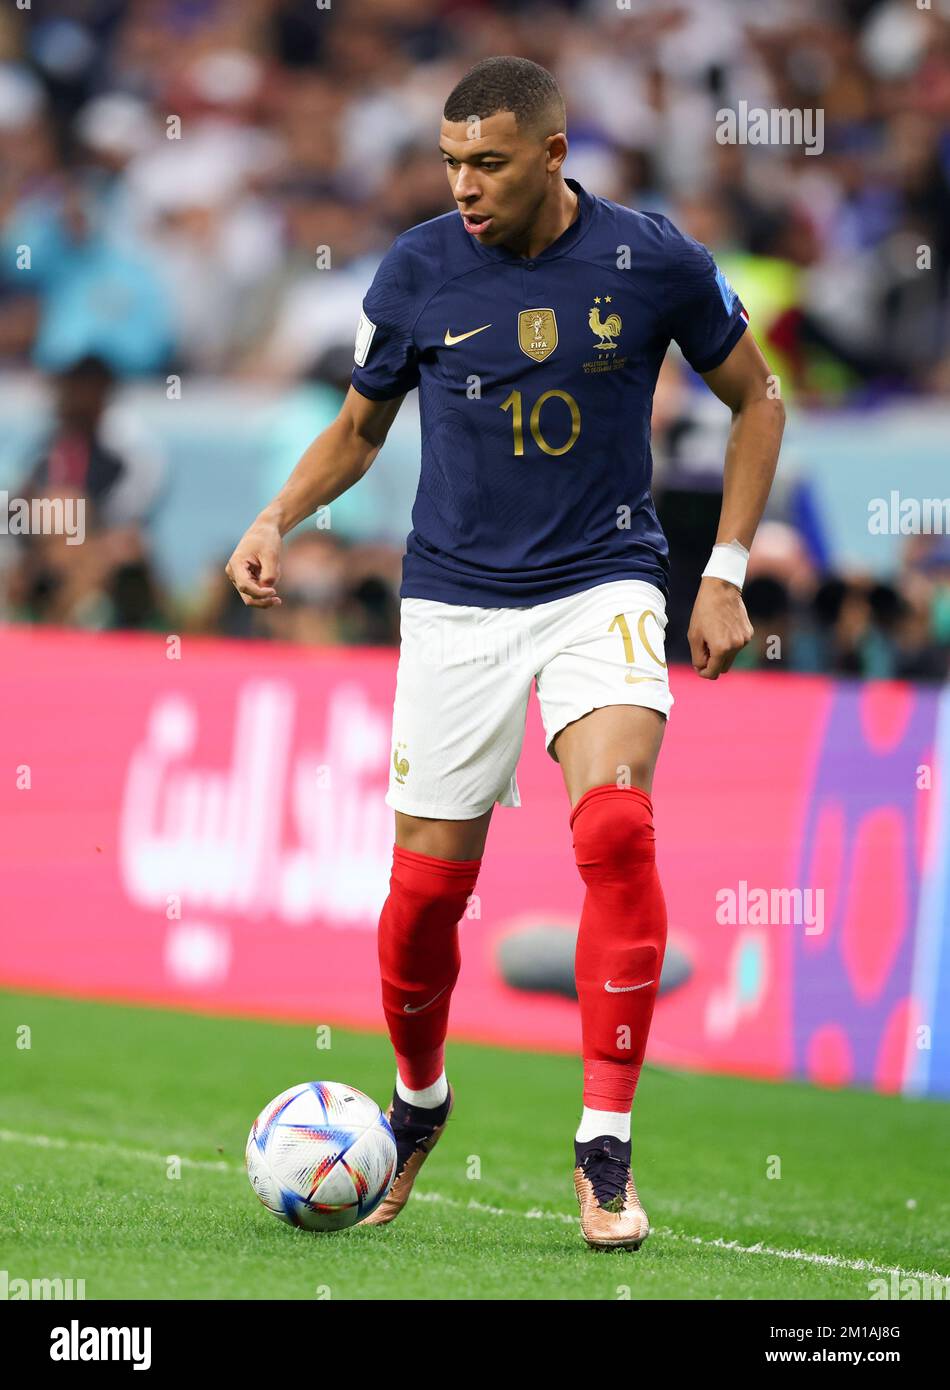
(533, 322)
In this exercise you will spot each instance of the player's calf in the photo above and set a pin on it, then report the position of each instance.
(620, 947)
(419, 961)
(419, 957)
(620, 943)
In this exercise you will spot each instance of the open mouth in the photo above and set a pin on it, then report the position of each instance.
(476, 222)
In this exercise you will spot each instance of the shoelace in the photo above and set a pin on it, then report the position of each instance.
(608, 1177)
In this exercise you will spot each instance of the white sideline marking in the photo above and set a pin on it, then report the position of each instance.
(805, 1256)
(47, 1141)
(52, 1141)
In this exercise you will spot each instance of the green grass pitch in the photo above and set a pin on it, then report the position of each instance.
(91, 1111)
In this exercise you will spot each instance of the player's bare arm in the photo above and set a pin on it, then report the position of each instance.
(719, 627)
(337, 458)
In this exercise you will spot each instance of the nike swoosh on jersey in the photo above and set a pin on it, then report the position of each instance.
(417, 1009)
(451, 339)
(624, 989)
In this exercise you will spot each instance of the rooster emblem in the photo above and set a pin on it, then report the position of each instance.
(605, 329)
(400, 765)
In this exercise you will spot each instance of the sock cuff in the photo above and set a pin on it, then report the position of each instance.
(610, 792)
(610, 1085)
(451, 869)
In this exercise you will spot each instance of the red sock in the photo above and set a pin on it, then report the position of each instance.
(419, 957)
(621, 941)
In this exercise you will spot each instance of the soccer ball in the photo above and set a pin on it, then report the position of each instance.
(321, 1155)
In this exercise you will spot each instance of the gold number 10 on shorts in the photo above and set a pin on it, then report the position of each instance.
(620, 622)
(513, 403)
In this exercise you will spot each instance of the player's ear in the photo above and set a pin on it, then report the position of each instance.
(556, 150)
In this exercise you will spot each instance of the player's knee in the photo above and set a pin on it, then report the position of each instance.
(613, 830)
(431, 891)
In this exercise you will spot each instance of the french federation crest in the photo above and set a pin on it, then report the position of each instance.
(537, 333)
(604, 329)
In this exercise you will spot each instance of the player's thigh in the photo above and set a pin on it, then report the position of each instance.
(444, 839)
(604, 691)
(458, 715)
(616, 744)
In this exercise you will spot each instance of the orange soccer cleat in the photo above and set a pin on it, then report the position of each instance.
(416, 1136)
(611, 1215)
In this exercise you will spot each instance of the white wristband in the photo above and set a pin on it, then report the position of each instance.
(728, 562)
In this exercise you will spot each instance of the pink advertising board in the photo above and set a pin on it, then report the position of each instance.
(209, 832)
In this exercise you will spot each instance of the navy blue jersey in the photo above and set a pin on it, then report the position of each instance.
(536, 382)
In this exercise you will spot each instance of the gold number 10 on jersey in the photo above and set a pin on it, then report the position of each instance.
(513, 403)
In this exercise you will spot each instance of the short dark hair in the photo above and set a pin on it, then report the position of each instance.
(509, 84)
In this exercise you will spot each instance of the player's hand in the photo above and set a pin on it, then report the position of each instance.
(254, 568)
(718, 629)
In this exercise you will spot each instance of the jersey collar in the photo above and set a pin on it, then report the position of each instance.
(561, 246)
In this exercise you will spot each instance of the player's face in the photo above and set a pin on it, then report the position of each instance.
(498, 175)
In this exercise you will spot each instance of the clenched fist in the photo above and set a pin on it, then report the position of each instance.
(718, 629)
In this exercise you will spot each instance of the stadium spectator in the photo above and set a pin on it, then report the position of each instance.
(90, 450)
(94, 294)
(104, 583)
(313, 591)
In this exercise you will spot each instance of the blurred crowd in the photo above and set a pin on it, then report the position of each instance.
(203, 188)
(845, 625)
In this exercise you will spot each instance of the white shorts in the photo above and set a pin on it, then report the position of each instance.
(465, 674)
